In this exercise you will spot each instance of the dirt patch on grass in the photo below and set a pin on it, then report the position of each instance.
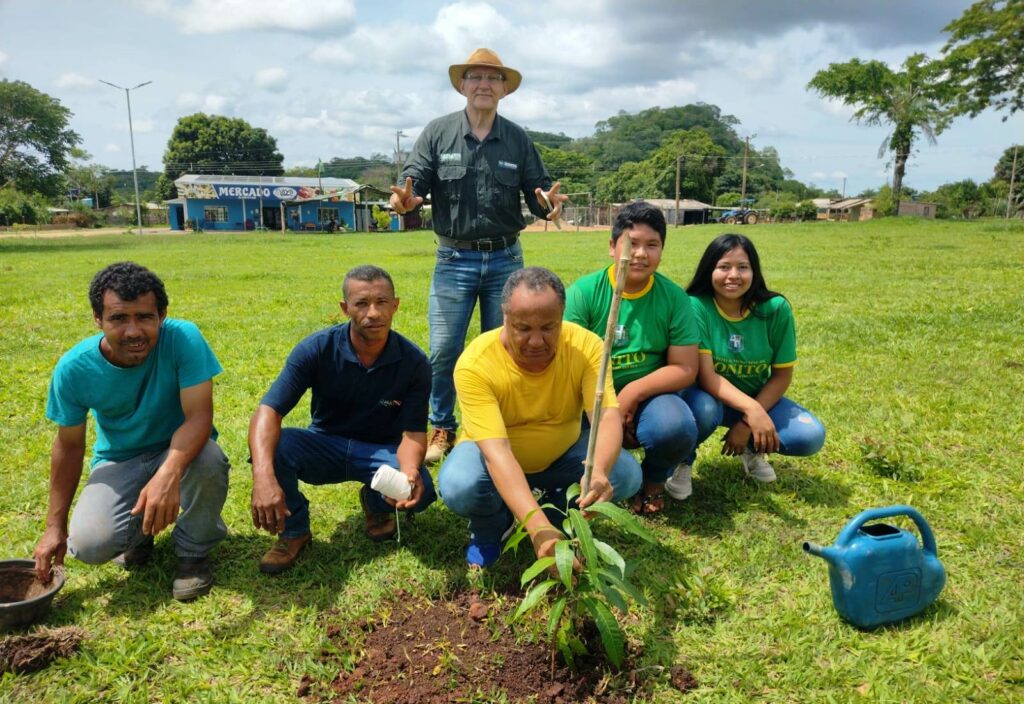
(460, 649)
(33, 652)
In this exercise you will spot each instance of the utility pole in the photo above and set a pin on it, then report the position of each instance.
(319, 174)
(844, 188)
(1013, 178)
(398, 154)
(131, 135)
(743, 187)
(678, 159)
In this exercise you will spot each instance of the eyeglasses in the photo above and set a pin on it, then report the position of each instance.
(481, 77)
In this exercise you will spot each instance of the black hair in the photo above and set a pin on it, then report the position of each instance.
(534, 278)
(128, 281)
(639, 213)
(366, 273)
(700, 285)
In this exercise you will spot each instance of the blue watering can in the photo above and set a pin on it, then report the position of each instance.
(879, 573)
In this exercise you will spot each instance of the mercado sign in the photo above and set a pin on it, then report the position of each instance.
(217, 191)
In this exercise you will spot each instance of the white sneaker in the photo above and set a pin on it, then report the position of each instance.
(757, 467)
(680, 485)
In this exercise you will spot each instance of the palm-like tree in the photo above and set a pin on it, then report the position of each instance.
(912, 100)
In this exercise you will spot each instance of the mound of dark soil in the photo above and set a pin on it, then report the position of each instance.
(460, 650)
(33, 652)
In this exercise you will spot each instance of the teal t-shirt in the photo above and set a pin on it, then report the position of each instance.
(746, 349)
(650, 321)
(136, 409)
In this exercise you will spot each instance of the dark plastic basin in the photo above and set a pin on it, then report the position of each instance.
(23, 599)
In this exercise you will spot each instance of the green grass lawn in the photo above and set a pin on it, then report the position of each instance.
(911, 345)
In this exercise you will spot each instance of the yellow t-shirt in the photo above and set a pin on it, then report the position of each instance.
(539, 412)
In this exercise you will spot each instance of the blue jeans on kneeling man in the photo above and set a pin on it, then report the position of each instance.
(467, 489)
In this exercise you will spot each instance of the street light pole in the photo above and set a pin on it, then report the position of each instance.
(131, 136)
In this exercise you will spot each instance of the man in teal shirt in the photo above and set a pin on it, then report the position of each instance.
(147, 379)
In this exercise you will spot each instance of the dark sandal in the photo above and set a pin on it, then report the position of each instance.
(379, 526)
(645, 504)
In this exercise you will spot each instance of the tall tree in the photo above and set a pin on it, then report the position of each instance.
(985, 56)
(912, 100)
(214, 144)
(699, 163)
(35, 140)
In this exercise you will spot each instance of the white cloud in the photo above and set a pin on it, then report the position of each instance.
(3, 59)
(211, 102)
(138, 126)
(75, 81)
(220, 16)
(838, 174)
(817, 175)
(273, 79)
(463, 26)
(111, 149)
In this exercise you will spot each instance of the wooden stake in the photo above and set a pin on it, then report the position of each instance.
(609, 338)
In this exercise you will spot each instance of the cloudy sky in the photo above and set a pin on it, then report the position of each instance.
(339, 78)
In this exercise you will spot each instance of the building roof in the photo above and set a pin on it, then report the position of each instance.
(670, 203)
(333, 183)
(849, 203)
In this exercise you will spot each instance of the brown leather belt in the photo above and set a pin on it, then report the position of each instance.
(486, 245)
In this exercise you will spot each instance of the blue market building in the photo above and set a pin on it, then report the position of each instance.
(281, 203)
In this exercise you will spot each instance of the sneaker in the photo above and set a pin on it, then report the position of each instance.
(193, 578)
(137, 555)
(757, 467)
(284, 554)
(439, 444)
(680, 485)
(482, 555)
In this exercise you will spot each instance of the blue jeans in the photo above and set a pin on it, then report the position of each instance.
(461, 276)
(801, 434)
(468, 490)
(320, 458)
(669, 427)
(102, 526)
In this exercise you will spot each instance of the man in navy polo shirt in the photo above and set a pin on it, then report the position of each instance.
(370, 388)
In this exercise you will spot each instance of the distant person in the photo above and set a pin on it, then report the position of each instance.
(369, 408)
(654, 354)
(474, 164)
(523, 389)
(747, 355)
(148, 381)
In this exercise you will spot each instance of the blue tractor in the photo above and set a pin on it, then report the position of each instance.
(739, 216)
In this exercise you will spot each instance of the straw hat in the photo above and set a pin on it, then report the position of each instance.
(485, 57)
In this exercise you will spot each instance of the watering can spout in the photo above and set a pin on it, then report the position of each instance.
(830, 555)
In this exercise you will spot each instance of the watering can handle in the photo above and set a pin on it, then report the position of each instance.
(873, 514)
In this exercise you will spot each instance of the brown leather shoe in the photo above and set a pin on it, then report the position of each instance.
(438, 445)
(284, 554)
(379, 526)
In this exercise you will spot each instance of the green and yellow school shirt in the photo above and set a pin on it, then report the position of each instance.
(650, 321)
(745, 350)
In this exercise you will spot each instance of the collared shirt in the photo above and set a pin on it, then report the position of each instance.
(539, 412)
(374, 404)
(475, 186)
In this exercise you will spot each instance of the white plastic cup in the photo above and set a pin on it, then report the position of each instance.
(392, 483)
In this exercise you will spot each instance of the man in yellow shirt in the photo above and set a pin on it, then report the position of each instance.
(523, 388)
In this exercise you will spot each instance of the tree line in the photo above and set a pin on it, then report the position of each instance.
(693, 151)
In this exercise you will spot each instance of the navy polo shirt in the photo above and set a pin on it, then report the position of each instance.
(375, 404)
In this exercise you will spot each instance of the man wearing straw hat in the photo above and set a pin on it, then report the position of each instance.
(474, 164)
(523, 389)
